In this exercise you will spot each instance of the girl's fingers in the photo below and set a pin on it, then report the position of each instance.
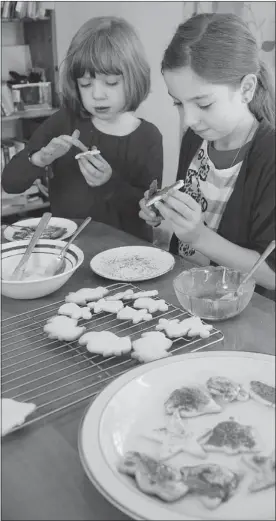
(74, 141)
(76, 134)
(90, 181)
(152, 221)
(60, 142)
(90, 167)
(98, 162)
(184, 198)
(170, 214)
(147, 211)
(179, 206)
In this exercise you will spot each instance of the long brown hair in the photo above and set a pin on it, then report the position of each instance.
(221, 49)
(106, 45)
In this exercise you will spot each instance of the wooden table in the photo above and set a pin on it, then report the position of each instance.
(42, 477)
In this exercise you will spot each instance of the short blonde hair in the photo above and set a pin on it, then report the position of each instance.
(106, 45)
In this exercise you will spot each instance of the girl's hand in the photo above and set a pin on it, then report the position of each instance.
(58, 147)
(185, 215)
(95, 170)
(147, 213)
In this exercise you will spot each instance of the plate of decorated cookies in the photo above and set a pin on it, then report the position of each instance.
(58, 228)
(188, 437)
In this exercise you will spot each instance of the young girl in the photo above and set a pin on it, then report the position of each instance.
(225, 214)
(105, 79)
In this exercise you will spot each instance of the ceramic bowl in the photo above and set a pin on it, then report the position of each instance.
(35, 285)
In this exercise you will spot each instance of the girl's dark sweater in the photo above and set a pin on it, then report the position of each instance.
(136, 159)
(249, 216)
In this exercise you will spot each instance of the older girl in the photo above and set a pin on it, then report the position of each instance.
(226, 212)
(105, 79)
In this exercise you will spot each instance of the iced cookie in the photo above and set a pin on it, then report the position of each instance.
(214, 484)
(70, 309)
(262, 393)
(128, 313)
(122, 295)
(153, 477)
(192, 326)
(231, 437)
(226, 390)
(144, 294)
(191, 400)
(63, 328)
(14, 413)
(93, 152)
(105, 343)
(150, 304)
(152, 345)
(84, 295)
(264, 467)
(109, 306)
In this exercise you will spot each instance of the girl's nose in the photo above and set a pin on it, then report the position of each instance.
(190, 117)
(98, 91)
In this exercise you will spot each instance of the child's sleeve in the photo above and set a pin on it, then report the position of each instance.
(262, 226)
(19, 174)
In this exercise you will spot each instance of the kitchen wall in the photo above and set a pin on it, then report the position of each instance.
(260, 17)
(155, 22)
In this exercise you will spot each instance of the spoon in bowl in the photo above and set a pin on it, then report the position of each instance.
(57, 264)
(235, 294)
(18, 272)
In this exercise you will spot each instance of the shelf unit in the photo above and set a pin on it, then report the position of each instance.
(40, 35)
(30, 114)
(20, 209)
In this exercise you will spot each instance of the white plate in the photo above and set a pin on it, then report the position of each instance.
(134, 401)
(132, 263)
(54, 221)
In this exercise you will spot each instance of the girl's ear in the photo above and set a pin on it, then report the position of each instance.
(248, 86)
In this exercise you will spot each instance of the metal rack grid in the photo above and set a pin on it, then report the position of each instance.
(56, 375)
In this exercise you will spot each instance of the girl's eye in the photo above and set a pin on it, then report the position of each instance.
(112, 84)
(177, 103)
(85, 86)
(204, 107)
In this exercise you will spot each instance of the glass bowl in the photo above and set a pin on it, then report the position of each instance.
(199, 291)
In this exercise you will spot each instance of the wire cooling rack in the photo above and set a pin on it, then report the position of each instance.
(56, 375)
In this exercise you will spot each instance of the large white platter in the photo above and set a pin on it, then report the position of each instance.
(70, 227)
(134, 402)
(132, 263)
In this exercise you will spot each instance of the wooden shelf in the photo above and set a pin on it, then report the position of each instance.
(12, 210)
(30, 114)
(26, 19)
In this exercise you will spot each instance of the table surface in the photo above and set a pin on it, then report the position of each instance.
(42, 476)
